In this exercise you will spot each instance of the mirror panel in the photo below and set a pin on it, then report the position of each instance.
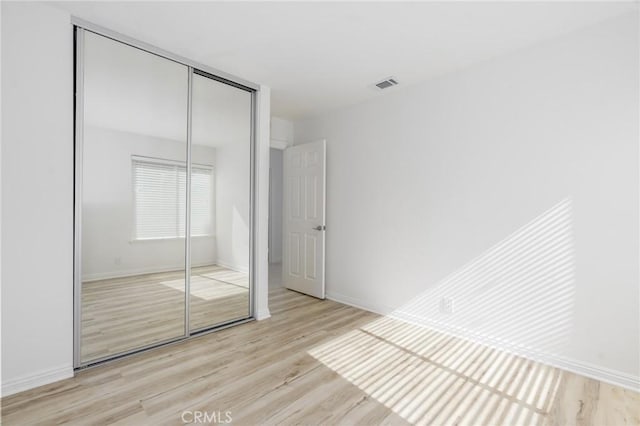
(220, 203)
(134, 153)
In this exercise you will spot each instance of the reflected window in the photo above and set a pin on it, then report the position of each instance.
(159, 199)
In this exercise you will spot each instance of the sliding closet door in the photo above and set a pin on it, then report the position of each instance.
(220, 203)
(133, 162)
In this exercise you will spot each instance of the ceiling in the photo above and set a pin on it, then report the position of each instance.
(320, 56)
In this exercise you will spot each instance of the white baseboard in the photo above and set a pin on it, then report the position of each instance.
(141, 271)
(39, 378)
(263, 314)
(364, 305)
(603, 374)
(231, 266)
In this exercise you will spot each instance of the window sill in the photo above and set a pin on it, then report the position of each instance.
(147, 240)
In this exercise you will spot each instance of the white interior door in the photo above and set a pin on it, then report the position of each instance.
(304, 218)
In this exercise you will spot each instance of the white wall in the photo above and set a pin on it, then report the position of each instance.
(108, 226)
(281, 133)
(282, 136)
(275, 206)
(37, 195)
(511, 187)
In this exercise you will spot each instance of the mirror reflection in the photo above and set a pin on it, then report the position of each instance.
(134, 227)
(220, 248)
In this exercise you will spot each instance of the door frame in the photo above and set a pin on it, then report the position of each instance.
(81, 26)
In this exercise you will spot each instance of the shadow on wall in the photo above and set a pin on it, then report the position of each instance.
(518, 294)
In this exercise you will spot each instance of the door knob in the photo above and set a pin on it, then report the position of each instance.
(320, 228)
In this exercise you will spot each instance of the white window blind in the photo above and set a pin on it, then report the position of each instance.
(160, 199)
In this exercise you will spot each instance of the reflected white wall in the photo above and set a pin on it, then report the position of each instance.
(109, 248)
(136, 106)
(232, 205)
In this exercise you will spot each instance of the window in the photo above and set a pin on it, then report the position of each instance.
(160, 199)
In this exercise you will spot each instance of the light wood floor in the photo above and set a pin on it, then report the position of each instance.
(125, 313)
(320, 362)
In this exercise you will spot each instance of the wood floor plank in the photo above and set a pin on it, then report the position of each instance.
(320, 362)
(125, 313)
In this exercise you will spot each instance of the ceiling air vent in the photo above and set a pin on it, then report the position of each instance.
(386, 83)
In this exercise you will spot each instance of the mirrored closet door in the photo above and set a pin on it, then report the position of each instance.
(163, 200)
(221, 124)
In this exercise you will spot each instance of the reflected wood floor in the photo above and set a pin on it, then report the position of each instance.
(320, 362)
(121, 314)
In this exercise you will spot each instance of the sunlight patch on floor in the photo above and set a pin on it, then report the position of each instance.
(428, 377)
(213, 282)
(207, 289)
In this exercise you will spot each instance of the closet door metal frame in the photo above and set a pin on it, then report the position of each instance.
(79, 28)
